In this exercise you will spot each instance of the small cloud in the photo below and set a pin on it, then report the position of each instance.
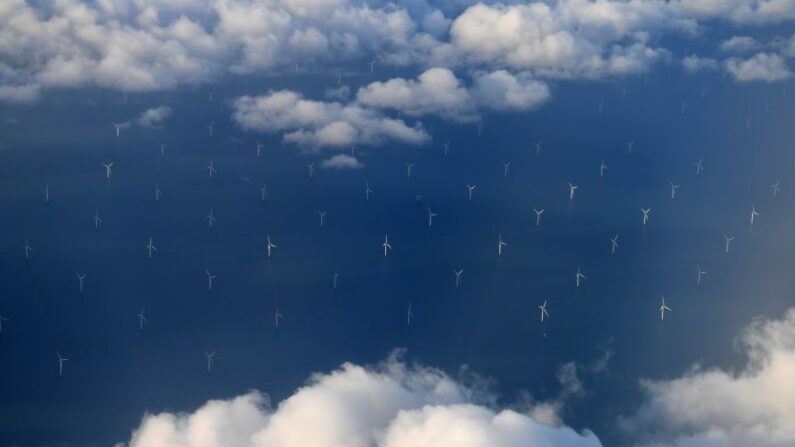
(342, 161)
(154, 117)
(695, 64)
(739, 44)
(764, 67)
(19, 93)
(340, 93)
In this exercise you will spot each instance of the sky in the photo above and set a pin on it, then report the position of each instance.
(150, 149)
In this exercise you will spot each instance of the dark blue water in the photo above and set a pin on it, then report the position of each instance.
(116, 372)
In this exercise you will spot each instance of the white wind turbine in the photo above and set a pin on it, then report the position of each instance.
(142, 319)
(614, 244)
(458, 274)
(579, 276)
(431, 215)
(673, 189)
(81, 277)
(754, 214)
(543, 309)
(61, 361)
(728, 242)
(269, 245)
(276, 317)
(108, 171)
(700, 274)
(663, 308)
(210, 278)
(572, 189)
(386, 244)
(645, 212)
(538, 212)
(500, 244)
(408, 168)
(471, 189)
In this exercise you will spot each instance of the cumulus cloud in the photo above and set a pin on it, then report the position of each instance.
(342, 161)
(316, 124)
(695, 64)
(438, 91)
(764, 67)
(391, 405)
(500, 90)
(739, 44)
(752, 407)
(154, 117)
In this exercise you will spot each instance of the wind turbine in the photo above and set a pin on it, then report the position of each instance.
(259, 149)
(368, 191)
(539, 149)
(276, 317)
(210, 219)
(97, 220)
(28, 250)
(578, 276)
(311, 168)
(108, 171)
(142, 319)
(480, 128)
(322, 215)
(211, 169)
(408, 168)
(162, 150)
(263, 193)
(572, 189)
(630, 145)
(150, 247)
(334, 279)
(158, 192)
(602, 168)
(699, 166)
(270, 245)
(539, 212)
(754, 214)
(500, 244)
(776, 188)
(431, 215)
(471, 189)
(2, 319)
(613, 244)
(81, 277)
(506, 167)
(46, 193)
(61, 361)
(339, 78)
(409, 315)
(601, 108)
(728, 241)
(118, 129)
(458, 274)
(446, 148)
(684, 108)
(663, 308)
(386, 244)
(210, 127)
(673, 189)
(210, 278)
(210, 363)
(645, 212)
(543, 309)
(700, 274)
(372, 65)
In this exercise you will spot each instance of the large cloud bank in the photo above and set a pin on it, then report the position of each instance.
(392, 405)
(144, 45)
(752, 407)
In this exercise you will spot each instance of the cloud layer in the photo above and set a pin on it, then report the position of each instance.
(144, 45)
(391, 405)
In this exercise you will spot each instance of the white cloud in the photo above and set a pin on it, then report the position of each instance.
(761, 67)
(752, 407)
(695, 64)
(392, 405)
(436, 91)
(154, 117)
(317, 124)
(739, 44)
(342, 161)
(500, 90)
